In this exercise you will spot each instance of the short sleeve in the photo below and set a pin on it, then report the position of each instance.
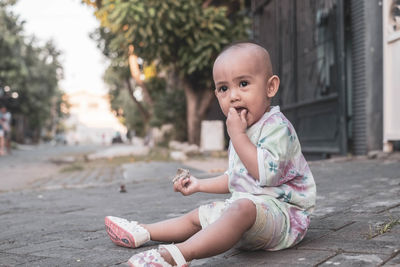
(273, 150)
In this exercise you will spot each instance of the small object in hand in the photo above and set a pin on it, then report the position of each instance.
(181, 174)
(122, 189)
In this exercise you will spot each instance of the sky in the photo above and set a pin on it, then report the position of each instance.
(68, 23)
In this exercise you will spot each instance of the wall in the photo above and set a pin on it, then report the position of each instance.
(391, 43)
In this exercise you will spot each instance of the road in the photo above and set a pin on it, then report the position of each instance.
(31, 164)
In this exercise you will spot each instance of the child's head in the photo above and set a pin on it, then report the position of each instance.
(244, 80)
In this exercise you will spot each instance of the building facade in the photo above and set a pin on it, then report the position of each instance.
(90, 119)
(330, 58)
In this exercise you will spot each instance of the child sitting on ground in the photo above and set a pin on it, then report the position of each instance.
(273, 190)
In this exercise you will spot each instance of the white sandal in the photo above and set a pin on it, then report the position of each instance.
(153, 258)
(125, 233)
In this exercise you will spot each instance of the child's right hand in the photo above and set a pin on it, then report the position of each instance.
(187, 186)
(236, 123)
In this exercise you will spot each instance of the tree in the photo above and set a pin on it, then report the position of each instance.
(184, 36)
(31, 74)
(169, 107)
(117, 76)
(11, 47)
(38, 87)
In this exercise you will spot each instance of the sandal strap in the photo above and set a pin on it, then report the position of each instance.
(147, 258)
(176, 254)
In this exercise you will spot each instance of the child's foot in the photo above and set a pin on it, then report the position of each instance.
(165, 256)
(125, 233)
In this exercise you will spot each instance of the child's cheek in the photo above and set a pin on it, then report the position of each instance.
(225, 110)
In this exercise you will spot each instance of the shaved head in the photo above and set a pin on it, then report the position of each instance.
(244, 81)
(259, 55)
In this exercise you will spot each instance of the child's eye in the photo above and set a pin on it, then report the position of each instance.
(222, 89)
(243, 83)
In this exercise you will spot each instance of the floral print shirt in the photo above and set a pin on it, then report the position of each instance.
(284, 174)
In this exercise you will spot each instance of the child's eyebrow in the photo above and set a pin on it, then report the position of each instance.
(220, 82)
(239, 78)
(242, 77)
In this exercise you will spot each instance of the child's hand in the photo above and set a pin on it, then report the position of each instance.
(186, 186)
(236, 123)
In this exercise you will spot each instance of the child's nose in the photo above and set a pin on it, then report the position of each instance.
(234, 94)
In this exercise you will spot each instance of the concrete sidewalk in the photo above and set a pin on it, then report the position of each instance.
(358, 200)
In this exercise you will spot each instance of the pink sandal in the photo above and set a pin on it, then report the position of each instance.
(152, 258)
(125, 233)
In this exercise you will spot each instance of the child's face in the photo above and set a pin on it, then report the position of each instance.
(241, 81)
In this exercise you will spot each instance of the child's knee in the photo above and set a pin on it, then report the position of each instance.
(193, 216)
(245, 208)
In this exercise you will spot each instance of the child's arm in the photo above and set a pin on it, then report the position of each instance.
(245, 149)
(216, 185)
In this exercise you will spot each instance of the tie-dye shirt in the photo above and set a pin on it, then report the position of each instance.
(284, 175)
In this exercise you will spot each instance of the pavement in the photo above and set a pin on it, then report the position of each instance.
(59, 220)
(28, 164)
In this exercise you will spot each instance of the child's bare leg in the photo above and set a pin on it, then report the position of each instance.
(220, 236)
(175, 230)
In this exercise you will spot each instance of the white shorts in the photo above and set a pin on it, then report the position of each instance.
(268, 231)
(1, 133)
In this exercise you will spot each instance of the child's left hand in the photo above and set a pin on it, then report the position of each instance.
(187, 186)
(236, 123)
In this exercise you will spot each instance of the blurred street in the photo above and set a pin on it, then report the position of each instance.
(33, 164)
(56, 215)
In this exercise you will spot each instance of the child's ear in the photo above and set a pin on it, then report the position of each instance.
(272, 86)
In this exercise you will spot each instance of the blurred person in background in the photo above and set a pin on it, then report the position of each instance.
(5, 130)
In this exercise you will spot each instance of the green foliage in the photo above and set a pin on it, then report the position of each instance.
(169, 106)
(120, 99)
(11, 48)
(383, 227)
(31, 71)
(116, 77)
(40, 84)
(185, 34)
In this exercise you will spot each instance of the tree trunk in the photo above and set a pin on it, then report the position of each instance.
(197, 103)
(145, 114)
(135, 73)
(19, 128)
(36, 135)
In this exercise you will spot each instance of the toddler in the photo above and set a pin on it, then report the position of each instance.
(273, 190)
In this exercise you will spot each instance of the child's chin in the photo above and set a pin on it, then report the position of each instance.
(250, 123)
(251, 120)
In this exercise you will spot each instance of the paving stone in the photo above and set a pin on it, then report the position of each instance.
(353, 238)
(313, 234)
(49, 261)
(11, 259)
(329, 223)
(85, 255)
(289, 257)
(395, 261)
(355, 260)
(140, 171)
(32, 248)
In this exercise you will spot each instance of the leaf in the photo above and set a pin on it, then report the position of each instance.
(152, 12)
(219, 26)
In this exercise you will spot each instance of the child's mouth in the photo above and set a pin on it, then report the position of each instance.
(240, 109)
